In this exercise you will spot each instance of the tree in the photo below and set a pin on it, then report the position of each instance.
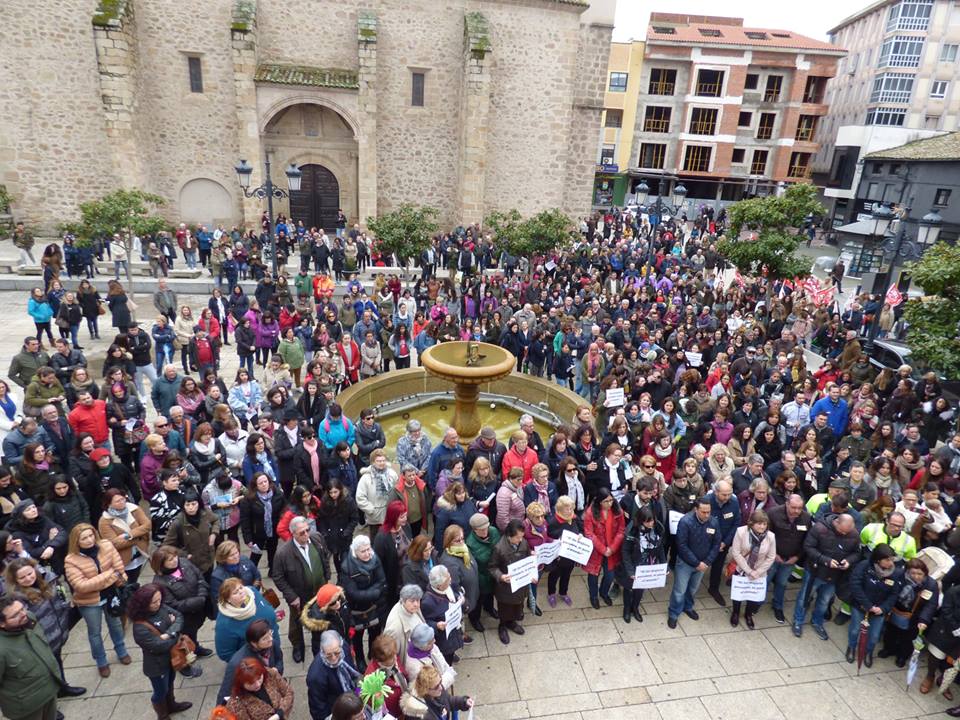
(934, 319)
(546, 231)
(508, 230)
(771, 219)
(126, 213)
(405, 232)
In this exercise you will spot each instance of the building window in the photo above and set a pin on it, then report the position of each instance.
(652, 155)
(873, 191)
(909, 15)
(703, 121)
(938, 89)
(813, 91)
(765, 128)
(892, 88)
(618, 82)
(751, 82)
(948, 53)
(901, 51)
(195, 70)
(758, 166)
(884, 116)
(709, 83)
(662, 81)
(799, 165)
(419, 81)
(806, 128)
(608, 155)
(942, 198)
(697, 158)
(710, 32)
(745, 119)
(656, 119)
(739, 156)
(774, 85)
(664, 30)
(756, 35)
(614, 119)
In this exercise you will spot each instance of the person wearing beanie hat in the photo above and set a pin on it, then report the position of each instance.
(99, 453)
(327, 610)
(482, 539)
(195, 531)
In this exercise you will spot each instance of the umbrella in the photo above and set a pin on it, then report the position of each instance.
(914, 662)
(862, 643)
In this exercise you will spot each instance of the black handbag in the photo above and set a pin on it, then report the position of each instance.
(116, 598)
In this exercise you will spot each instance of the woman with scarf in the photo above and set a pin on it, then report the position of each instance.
(65, 506)
(33, 472)
(49, 603)
(384, 658)
(510, 500)
(373, 490)
(185, 590)
(238, 605)
(753, 550)
(570, 483)
(463, 568)
(124, 410)
(245, 396)
(535, 533)
(223, 495)
(206, 452)
(258, 646)
(423, 651)
(166, 504)
(510, 548)
(717, 466)
(259, 459)
(128, 528)
(874, 588)
(428, 698)
(364, 585)
(421, 557)
(39, 536)
(194, 532)
(591, 371)
(260, 513)
(603, 525)
(643, 544)
(916, 604)
(80, 381)
(94, 569)
(541, 489)
(563, 518)
(331, 674)
(454, 507)
(231, 564)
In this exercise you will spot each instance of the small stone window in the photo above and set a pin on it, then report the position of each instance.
(418, 81)
(195, 70)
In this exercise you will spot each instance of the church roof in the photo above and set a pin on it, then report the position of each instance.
(941, 147)
(306, 75)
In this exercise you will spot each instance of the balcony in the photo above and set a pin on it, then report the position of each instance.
(804, 134)
(703, 127)
(799, 172)
(708, 89)
(656, 126)
(765, 132)
(661, 88)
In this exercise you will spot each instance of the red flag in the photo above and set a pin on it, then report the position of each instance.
(894, 296)
(825, 295)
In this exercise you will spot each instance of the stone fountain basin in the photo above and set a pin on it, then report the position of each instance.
(449, 362)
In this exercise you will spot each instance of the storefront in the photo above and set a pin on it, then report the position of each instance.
(609, 187)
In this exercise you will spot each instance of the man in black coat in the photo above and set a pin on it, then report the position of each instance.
(59, 433)
(300, 568)
(285, 442)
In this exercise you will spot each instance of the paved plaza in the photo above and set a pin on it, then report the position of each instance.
(573, 663)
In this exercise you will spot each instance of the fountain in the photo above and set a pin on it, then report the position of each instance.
(467, 365)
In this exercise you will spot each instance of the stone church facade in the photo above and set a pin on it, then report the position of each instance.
(466, 105)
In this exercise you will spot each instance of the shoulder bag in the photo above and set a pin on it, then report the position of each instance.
(182, 654)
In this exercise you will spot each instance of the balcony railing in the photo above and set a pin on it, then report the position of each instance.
(764, 132)
(661, 88)
(804, 134)
(656, 126)
(703, 127)
(708, 89)
(758, 168)
(801, 172)
(771, 96)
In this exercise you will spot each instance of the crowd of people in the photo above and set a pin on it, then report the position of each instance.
(703, 442)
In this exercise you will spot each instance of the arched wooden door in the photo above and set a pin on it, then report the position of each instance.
(318, 199)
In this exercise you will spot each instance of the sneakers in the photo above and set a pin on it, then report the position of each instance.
(778, 615)
(567, 600)
(797, 630)
(821, 632)
(552, 600)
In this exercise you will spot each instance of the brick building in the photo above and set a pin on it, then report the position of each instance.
(730, 111)
(466, 105)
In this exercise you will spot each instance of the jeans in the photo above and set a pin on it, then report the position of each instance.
(162, 686)
(93, 616)
(246, 361)
(824, 590)
(150, 371)
(164, 356)
(777, 577)
(873, 634)
(116, 268)
(74, 335)
(93, 327)
(190, 257)
(686, 582)
(600, 583)
(26, 257)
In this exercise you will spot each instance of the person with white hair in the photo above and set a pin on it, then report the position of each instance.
(331, 674)
(365, 586)
(414, 448)
(404, 617)
(439, 598)
(422, 651)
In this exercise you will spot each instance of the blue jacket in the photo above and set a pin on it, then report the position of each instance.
(41, 312)
(439, 458)
(837, 415)
(457, 515)
(728, 517)
(868, 589)
(331, 432)
(230, 635)
(698, 542)
(245, 570)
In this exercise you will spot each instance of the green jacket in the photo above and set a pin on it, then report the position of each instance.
(29, 675)
(25, 365)
(38, 395)
(303, 284)
(481, 551)
(292, 352)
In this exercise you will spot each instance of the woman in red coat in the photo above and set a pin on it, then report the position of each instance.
(519, 455)
(604, 525)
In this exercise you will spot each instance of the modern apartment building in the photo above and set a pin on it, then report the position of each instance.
(897, 84)
(619, 120)
(728, 110)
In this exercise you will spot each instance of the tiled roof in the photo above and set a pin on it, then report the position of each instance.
(305, 75)
(941, 147)
(735, 35)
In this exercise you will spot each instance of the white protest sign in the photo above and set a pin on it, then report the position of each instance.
(695, 359)
(615, 397)
(548, 552)
(575, 547)
(743, 588)
(522, 573)
(650, 576)
(453, 617)
(675, 518)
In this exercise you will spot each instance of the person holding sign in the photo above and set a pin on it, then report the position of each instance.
(511, 548)
(643, 545)
(559, 571)
(603, 524)
(437, 601)
(698, 544)
(535, 533)
(753, 550)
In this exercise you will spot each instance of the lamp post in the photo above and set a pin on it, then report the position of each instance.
(269, 191)
(678, 196)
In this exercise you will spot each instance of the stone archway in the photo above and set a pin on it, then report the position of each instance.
(205, 201)
(322, 143)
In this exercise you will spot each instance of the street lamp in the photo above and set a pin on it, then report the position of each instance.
(269, 191)
(678, 196)
(929, 230)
